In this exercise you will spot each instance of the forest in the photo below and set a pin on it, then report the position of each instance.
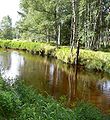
(62, 22)
(61, 50)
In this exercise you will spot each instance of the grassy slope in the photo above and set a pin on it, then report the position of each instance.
(89, 59)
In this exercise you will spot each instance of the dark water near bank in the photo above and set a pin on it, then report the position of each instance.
(52, 77)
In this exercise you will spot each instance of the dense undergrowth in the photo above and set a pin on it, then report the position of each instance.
(95, 60)
(19, 102)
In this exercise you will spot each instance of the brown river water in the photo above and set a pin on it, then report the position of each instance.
(54, 78)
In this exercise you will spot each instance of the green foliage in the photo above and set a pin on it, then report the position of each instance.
(9, 103)
(86, 111)
(32, 47)
(95, 60)
(89, 59)
(41, 19)
(63, 54)
(19, 102)
(6, 28)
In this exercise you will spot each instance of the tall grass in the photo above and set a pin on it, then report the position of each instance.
(33, 47)
(89, 59)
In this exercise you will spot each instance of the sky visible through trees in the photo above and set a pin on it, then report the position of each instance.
(62, 21)
(9, 7)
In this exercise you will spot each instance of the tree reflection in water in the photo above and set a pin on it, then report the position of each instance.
(55, 78)
(13, 71)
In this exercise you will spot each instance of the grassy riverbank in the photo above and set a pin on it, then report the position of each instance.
(20, 102)
(89, 59)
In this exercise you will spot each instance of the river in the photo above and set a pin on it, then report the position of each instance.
(52, 77)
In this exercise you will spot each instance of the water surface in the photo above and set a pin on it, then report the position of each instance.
(52, 77)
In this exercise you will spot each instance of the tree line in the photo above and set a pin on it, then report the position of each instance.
(63, 22)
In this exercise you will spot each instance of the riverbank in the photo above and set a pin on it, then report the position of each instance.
(21, 103)
(92, 60)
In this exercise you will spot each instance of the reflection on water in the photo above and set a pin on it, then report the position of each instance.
(51, 72)
(10, 67)
(55, 78)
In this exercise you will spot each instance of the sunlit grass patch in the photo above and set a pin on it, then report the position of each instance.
(94, 60)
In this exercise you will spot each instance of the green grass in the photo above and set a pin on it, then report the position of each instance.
(34, 47)
(89, 59)
(92, 60)
(95, 60)
(19, 102)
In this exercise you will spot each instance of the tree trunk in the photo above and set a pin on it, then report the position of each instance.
(47, 36)
(75, 20)
(73, 2)
(75, 40)
(98, 25)
(59, 34)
